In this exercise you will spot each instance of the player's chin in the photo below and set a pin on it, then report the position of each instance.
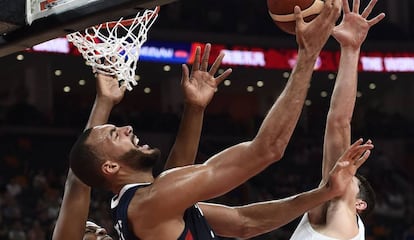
(150, 151)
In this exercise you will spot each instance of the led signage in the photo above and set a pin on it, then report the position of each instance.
(272, 58)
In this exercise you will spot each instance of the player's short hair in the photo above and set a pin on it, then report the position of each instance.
(85, 163)
(366, 193)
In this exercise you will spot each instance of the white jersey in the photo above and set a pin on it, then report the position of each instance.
(304, 231)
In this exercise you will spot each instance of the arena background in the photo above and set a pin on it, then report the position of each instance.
(44, 104)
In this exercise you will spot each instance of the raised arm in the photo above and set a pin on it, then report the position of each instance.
(258, 218)
(199, 87)
(73, 213)
(277, 128)
(350, 34)
(235, 165)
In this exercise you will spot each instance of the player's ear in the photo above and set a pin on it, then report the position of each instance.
(110, 167)
(360, 205)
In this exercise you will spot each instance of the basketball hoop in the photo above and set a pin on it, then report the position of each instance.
(113, 48)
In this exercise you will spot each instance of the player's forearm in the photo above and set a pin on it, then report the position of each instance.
(74, 184)
(344, 93)
(234, 166)
(278, 126)
(186, 143)
(260, 218)
(73, 211)
(338, 124)
(100, 112)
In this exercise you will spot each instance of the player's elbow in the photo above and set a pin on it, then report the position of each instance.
(276, 154)
(338, 120)
(249, 230)
(270, 151)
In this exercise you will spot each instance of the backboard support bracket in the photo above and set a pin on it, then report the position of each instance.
(17, 38)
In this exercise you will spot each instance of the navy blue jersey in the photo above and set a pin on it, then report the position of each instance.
(196, 226)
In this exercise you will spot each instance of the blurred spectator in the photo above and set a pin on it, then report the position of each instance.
(16, 232)
(36, 232)
(22, 112)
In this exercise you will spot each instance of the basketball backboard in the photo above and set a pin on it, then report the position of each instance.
(25, 23)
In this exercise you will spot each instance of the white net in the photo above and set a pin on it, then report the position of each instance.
(113, 48)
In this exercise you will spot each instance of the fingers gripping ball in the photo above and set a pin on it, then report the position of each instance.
(282, 12)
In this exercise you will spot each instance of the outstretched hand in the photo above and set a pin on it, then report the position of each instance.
(108, 89)
(345, 168)
(312, 36)
(200, 85)
(354, 26)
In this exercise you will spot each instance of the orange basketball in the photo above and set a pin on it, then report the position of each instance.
(282, 14)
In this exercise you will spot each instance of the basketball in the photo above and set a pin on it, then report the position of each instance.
(282, 12)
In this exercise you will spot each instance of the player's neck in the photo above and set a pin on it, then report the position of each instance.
(131, 178)
(345, 203)
(342, 221)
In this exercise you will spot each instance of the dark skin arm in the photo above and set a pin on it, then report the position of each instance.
(235, 165)
(254, 219)
(199, 87)
(74, 210)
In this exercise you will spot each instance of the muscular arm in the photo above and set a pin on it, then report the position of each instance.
(228, 169)
(73, 213)
(235, 165)
(278, 126)
(276, 134)
(258, 218)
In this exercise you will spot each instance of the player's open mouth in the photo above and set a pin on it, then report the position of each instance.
(135, 141)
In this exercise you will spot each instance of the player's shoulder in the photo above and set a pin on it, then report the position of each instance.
(148, 201)
(148, 214)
